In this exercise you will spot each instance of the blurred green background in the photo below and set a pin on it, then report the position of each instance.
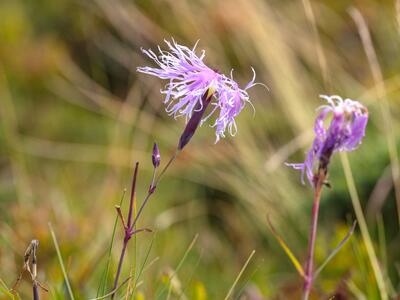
(75, 116)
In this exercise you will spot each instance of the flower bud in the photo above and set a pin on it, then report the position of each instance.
(194, 120)
(156, 157)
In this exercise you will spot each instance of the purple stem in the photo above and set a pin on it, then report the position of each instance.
(132, 200)
(35, 292)
(127, 229)
(308, 276)
(153, 188)
(121, 259)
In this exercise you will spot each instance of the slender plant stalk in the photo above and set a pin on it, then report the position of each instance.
(153, 188)
(35, 291)
(184, 139)
(308, 278)
(30, 266)
(121, 259)
(178, 267)
(323, 65)
(107, 269)
(335, 251)
(387, 117)
(239, 275)
(133, 194)
(131, 223)
(364, 228)
(60, 259)
(34, 271)
(173, 157)
(127, 228)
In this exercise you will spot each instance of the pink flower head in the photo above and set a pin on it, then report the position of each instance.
(345, 132)
(189, 79)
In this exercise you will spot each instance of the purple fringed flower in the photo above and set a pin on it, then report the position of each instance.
(345, 132)
(190, 79)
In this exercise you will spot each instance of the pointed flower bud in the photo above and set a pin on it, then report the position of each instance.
(345, 132)
(156, 157)
(195, 120)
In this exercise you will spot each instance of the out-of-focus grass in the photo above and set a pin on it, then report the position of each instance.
(74, 117)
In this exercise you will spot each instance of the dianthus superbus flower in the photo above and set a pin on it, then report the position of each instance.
(190, 80)
(345, 132)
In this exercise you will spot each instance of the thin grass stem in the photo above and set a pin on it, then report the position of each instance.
(335, 251)
(181, 264)
(60, 260)
(363, 227)
(239, 275)
(107, 269)
(383, 102)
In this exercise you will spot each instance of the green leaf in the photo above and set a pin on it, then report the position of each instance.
(336, 250)
(287, 250)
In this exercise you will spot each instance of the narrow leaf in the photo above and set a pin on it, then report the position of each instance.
(287, 250)
(5, 290)
(336, 250)
(53, 235)
(239, 275)
(103, 280)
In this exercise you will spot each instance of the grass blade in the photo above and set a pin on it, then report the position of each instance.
(387, 118)
(5, 290)
(363, 226)
(239, 275)
(382, 254)
(178, 267)
(287, 250)
(114, 290)
(356, 291)
(103, 280)
(143, 265)
(336, 250)
(53, 235)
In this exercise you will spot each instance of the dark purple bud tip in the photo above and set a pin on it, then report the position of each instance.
(195, 119)
(156, 157)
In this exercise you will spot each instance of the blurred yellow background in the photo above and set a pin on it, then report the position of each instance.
(75, 116)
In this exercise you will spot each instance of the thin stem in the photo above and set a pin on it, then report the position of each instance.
(308, 278)
(127, 228)
(121, 259)
(141, 230)
(35, 292)
(60, 259)
(153, 178)
(151, 190)
(132, 200)
(335, 251)
(363, 227)
(35, 244)
(239, 275)
(121, 217)
(105, 273)
(114, 290)
(166, 167)
(387, 116)
(318, 46)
